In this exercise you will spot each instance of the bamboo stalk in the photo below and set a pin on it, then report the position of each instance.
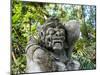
(14, 58)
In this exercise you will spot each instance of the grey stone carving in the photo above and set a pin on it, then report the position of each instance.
(52, 52)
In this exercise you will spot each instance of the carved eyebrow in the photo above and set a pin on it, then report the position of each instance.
(50, 28)
(60, 26)
(50, 23)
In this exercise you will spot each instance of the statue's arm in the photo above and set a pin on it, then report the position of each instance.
(37, 59)
(33, 56)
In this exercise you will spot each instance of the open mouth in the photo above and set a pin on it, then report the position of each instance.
(57, 41)
(57, 44)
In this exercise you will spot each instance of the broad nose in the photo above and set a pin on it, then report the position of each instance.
(57, 33)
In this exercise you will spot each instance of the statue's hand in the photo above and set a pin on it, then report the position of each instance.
(73, 65)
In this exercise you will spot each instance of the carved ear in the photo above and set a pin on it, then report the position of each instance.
(39, 27)
(41, 32)
(73, 31)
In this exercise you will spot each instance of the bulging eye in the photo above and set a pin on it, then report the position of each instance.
(62, 32)
(51, 32)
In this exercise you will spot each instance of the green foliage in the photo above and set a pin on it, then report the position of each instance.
(19, 65)
(26, 16)
(85, 53)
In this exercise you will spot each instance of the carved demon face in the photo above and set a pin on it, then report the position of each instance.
(55, 37)
(52, 34)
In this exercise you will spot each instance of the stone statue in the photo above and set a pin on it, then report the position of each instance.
(52, 52)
